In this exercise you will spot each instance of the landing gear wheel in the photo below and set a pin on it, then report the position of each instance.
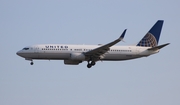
(93, 63)
(89, 65)
(31, 63)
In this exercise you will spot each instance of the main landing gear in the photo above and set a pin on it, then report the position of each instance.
(90, 64)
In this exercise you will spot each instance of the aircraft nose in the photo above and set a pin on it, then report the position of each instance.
(19, 53)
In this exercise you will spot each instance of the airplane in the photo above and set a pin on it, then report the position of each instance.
(76, 54)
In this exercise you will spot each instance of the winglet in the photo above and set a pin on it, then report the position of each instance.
(122, 35)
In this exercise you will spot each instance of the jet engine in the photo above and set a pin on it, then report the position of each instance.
(77, 56)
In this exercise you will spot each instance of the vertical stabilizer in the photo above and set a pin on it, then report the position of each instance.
(151, 39)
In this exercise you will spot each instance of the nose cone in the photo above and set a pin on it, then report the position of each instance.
(19, 53)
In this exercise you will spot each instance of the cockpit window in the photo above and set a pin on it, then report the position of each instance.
(25, 48)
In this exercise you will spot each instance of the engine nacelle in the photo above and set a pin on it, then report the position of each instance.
(77, 56)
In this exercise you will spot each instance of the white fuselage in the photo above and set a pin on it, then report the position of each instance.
(63, 52)
(75, 54)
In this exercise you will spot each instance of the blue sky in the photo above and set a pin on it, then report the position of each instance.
(151, 80)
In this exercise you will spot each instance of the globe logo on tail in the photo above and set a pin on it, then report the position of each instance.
(148, 41)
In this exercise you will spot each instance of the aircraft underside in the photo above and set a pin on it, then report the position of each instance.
(67, 59)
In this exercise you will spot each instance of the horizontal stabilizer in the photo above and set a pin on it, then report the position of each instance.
(158, 47)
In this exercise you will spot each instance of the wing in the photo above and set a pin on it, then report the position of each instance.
(97, 52)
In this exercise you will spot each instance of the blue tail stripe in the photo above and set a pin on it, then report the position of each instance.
(151, 39)
(156, 30)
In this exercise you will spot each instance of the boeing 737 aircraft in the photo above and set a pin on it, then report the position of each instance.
(75, 54)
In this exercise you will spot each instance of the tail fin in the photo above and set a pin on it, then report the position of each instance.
(151, 39)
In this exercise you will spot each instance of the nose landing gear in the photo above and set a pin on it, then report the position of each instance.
(29, 59)
(31, 63)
